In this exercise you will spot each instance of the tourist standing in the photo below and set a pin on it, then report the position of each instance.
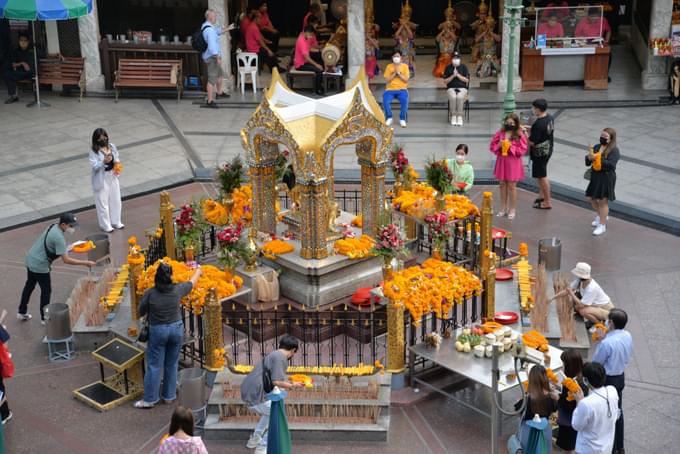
(540, 150)
(6, 371)
(303, 61)
(212, 57)
(456, 77)
(105, 162)
(161, 306)
(461, 169)
(602, 160)
(595, 415)
(573, 368)
(396, 74)
(614, 352)
(541, 400)
(182, 439)
(509, 144)
(49, 246)
(252, 389)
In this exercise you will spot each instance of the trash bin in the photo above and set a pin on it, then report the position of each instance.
(550, 253)
(191, 388)
(101, 242)
(57, 321)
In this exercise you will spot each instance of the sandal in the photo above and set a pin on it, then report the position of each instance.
(540, 206)
(143, 404)
(511, 215)
(538, 200)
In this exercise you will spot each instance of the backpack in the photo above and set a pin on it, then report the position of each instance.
(267, 384)
(6, 363)
(198, 42)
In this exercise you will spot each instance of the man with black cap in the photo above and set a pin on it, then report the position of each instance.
(541, 144)
(49, 246)
(456, 77)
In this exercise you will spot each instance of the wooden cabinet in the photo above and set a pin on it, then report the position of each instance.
(595, 67)
(531, 69)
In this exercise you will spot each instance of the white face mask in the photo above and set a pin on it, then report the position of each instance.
(456, 61)
(460, 158)
(396, 60)
(70, 230)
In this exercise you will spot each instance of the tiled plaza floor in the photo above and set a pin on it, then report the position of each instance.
(638, 267)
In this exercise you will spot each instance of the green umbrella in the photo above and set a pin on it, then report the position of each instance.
(43, 10)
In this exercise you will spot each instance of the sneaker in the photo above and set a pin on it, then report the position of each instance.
(402, 123)
(460, 120)
(261, 449)
(24, 317)
(43, 322)
(388, 122)
(4, 421)
(143, 404)
(254, 440)
(453, 121)
(12, 99)
(119, 227)
(212, 105)
(599, 230)
(596, 221)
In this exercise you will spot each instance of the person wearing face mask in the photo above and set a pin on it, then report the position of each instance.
(396, 74)
(595, 415)
(456, 77)
(602, 159)
(614, 352)
(49, 246)
(103, 158)
(461, 169)
(509, 144)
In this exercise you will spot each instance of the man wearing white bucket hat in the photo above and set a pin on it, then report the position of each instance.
(590, 301)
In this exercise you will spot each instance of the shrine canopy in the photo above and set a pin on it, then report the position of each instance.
(311, 121)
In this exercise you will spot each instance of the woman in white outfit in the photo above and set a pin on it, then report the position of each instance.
(103, 157)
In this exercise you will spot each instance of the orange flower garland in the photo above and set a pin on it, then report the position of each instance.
(274, 248)
(421, 201)
(83, 247)
(118, 168)
(355, 248)
(572, 386)
(600, 331)
(432, 287)
(534, 339)
(224, 283)
(597, 162)
(332, 371)
(551, 376)
(358, 221)
(216, 213)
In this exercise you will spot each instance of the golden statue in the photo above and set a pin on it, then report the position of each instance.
(405, 36)
(446, 40)
(479, 26)
(449, 23)
(332, 210)
(488, 65)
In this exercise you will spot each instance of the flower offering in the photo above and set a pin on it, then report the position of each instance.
(355, 248)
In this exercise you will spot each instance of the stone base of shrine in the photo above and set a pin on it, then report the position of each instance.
(319, 282)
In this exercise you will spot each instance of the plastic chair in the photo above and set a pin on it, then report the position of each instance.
(247, 64)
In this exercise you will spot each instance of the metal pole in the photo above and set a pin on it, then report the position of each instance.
(511, 9)
(495, 415)
(36, 102)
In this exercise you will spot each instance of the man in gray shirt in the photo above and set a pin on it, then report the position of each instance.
(252, 391)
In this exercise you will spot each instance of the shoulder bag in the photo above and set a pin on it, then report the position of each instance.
(588, 173)
(267, 287)
(144, 331)
(267, 384)
(541, 150)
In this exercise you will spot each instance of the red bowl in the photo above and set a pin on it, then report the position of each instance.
(506, 318)
(503, 274)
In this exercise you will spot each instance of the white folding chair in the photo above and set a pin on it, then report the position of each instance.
(247, 64)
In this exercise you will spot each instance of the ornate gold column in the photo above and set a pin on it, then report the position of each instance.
(168, 224)
(135, 273)
(263, 181)
(314, 218)
(486, 225)
(396, 362)
(214, 342)
(487, 259)
(372, 195)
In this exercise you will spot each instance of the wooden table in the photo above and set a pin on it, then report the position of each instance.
(540, 65)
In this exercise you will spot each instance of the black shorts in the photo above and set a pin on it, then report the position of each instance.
(539, 167)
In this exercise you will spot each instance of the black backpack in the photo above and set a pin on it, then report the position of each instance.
(198, 42)
(267, 383)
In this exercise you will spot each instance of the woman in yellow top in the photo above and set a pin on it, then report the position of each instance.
(396, 74)
(602, 159)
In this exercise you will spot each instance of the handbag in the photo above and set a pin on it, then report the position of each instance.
(267, 384)
(267, 287)
(144, 331)
(588, 173)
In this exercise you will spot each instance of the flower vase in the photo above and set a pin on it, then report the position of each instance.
(440, 201)
(437, 251)
(252, 252)
(228, 202)
(398, 188)
(189, 253)
(387, 268)
(230, 271)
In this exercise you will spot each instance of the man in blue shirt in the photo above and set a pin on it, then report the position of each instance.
(212, 56)
(614, 352)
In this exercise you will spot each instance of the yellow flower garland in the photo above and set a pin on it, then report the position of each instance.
(273, 248)
(216, 213)
(358, 221)
(355, 248)
(333, 371)
(84, 247)
(421, 201)
(432, 287)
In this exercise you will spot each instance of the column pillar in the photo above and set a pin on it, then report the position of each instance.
(396, 360)
(655, 71)
(356, 40)
(505, 53)
(221, 7)
(168, 223)
(214, 341)
(263, 179)
(88, 33)
(314, 218)
(372, 196)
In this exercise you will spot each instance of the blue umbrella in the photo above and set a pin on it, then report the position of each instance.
(43, 10)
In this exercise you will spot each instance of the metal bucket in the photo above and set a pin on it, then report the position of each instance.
(57, 321)
(191, 389)
(102, 246)
(550, 253)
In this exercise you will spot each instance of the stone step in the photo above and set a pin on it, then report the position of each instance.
(215, 429)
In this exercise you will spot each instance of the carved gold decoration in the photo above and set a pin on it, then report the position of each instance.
(396, 361)
(168, 224)
(487, 259)
(135, 273)
(213, 332)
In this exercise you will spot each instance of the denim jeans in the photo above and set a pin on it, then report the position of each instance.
(402, 96)
(162, 356)
(263, 409)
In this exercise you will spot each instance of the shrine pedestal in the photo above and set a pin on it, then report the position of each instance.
(318, 282)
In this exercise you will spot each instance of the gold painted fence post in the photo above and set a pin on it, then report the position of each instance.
(487, 259)
(135, 273)
(487, 225)
(168, 224)
(214, 341)
(395, 338)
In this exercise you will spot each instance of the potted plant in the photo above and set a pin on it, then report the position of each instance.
(440, 178)
(440, 231)
(231, 249)
(230, 176)
(189, 230)
(399, 165)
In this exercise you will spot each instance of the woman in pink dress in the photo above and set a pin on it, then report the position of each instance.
(509, 145)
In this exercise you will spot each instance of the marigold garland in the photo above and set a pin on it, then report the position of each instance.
(335, 370)
(274, 248)
(534, 339)
(421, 201)
(216, 213)
(83, 247)
(432, 287)
(599, 332)
(224, 283)
(355, 248)
(552, 376)
(572, 386)
(358, 221)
